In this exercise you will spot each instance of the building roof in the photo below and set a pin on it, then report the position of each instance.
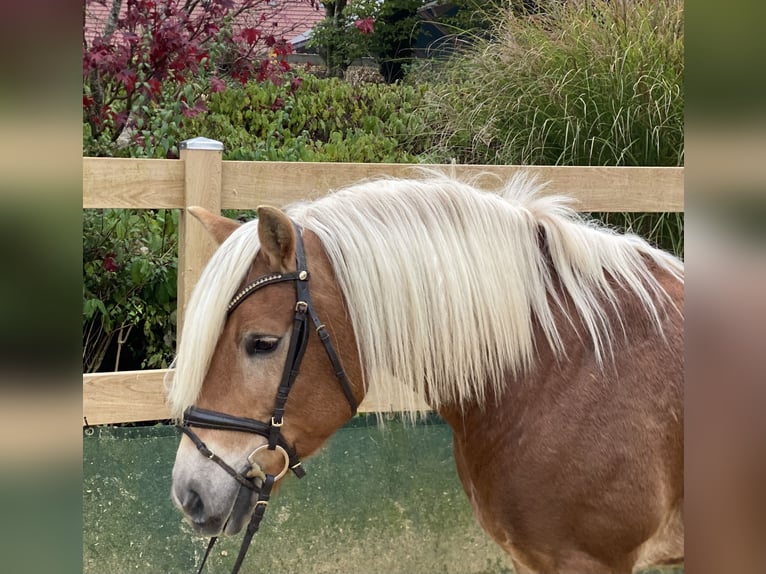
(289, 19)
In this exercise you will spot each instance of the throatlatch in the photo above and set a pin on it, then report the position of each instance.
(272, 431)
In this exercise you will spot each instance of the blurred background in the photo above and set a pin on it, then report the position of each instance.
(726, 287)
(40, 233)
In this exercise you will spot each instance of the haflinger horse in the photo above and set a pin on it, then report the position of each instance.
(550, 344)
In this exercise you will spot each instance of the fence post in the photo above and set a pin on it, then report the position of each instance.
(202, 159)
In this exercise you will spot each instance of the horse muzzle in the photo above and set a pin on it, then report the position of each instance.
(209, 512)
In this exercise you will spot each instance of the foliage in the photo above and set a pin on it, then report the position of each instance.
(468, 20)
(343, 35)
(397, 27)
(664, 230)
(315, 119)
(384, 30)
(146, 71)
(593, 83)
(129, 286)
(472, 17)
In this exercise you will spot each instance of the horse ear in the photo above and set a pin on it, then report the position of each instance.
(218, 227)
(277, 235)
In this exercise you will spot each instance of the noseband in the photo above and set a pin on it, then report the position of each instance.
(272, 430)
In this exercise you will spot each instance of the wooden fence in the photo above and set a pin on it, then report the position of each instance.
(200, 177)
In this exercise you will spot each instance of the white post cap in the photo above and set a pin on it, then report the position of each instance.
(201, 143)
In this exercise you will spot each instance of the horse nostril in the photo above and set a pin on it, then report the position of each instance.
(193, 505)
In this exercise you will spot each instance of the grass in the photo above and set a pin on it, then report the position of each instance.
(585, 83)
(591, 83)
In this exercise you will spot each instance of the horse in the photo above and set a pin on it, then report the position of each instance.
(551, 344)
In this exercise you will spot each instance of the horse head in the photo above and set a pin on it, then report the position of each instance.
(249, 365)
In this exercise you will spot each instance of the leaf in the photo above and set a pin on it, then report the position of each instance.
(217, 85)
(88, 308)
(135, 272)
(251, 35)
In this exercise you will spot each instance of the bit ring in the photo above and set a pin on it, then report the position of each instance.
(279, 449)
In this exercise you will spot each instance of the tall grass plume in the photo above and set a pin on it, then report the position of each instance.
(587, 82)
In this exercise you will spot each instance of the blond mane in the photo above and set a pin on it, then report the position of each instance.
(206, 315)
(443, 283)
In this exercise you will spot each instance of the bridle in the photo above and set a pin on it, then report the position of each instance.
(272, 430)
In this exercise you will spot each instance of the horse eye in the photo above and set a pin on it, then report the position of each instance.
(260, 344)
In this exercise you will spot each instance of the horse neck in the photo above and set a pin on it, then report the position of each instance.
(483, 422)
(553, 375)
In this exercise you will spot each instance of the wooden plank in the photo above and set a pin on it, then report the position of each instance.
(248, 184)
(132, 183)
(144, 183)
(125, 396)
(132, 396)
(373, 403)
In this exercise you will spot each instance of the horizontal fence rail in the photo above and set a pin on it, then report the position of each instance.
(157, 183)
(133, 396)
(200, 177)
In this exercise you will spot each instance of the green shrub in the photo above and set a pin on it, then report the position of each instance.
(385, 30)
(336, 39)
(314, 119)
(129, 288)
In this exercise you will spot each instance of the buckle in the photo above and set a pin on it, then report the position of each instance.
(301, 307)
(274, 422)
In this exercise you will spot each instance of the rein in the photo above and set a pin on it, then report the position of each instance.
(272, 430)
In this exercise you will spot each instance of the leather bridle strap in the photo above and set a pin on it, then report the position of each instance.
(252, 527)
(303, 294)
(255, 520)
(203, 418)
(207, 453)
(340, 373)
(272, 431)
(259, 283)
(298, 343)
